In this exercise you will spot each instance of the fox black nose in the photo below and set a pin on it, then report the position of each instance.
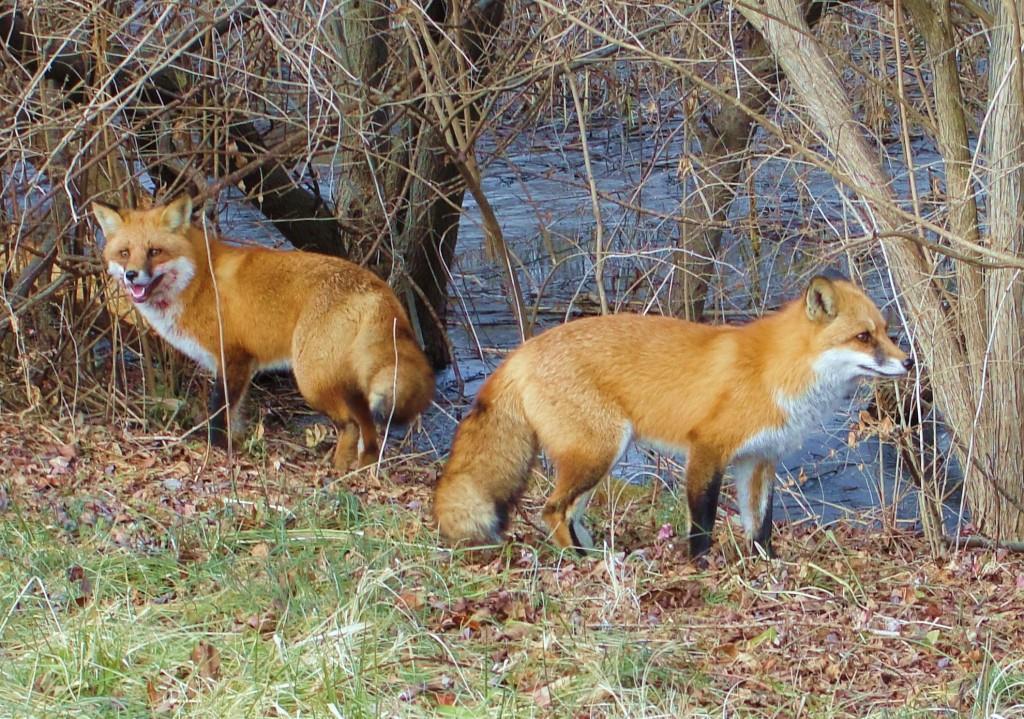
(908, 363)
(130, 275)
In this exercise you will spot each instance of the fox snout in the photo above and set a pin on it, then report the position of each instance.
(887, 360)
(138, 277)
(140, 283)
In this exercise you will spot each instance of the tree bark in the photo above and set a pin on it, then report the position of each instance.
(996, 492)
(718, 169)
(303, 216)
(724, 144)
(362, 198)
(716, 172)
(431, 211)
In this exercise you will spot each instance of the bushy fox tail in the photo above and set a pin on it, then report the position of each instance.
(488, 467)
(400, 393)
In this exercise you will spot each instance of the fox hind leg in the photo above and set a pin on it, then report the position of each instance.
(576, 477)
(348, 438)
(325, 389)
(582, 457)
(354, 423)
(370, 449)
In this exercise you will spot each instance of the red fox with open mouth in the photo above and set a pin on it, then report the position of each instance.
(237, 310)
(740, 396)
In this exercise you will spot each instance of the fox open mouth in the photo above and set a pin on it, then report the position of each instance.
(139, 292)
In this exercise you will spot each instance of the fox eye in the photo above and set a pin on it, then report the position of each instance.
(153, 252)
(125, 254)
(864, 337)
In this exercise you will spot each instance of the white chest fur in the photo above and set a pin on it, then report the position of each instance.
(805, 414)
(163, 309)
(166, 321)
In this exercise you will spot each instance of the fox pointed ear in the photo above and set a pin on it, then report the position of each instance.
(177, 215)
(110, 219)
(821, 299)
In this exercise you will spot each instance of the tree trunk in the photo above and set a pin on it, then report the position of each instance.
(723, 156)
(715, 175)
(302, 216)
(996, 490)
(363, 195)
(432, 208)
(428, 243)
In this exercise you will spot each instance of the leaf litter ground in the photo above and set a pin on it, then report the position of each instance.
(142, 575)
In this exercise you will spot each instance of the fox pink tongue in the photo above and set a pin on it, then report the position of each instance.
(138, 291)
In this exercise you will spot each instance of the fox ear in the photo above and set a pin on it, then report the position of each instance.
(177, 215)
(110, 219)
(821, 299)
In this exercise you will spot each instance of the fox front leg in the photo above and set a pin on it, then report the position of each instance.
(226, 398)
(754, 493)
(703, 485)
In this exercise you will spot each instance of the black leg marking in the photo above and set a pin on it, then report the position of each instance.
(763, 536)
(501, 517)
(221, 401)
(702, 516)
(218, 428)
(580, 548)
(503, 507)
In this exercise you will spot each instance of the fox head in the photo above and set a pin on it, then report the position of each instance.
(149, 250)
(850, 340)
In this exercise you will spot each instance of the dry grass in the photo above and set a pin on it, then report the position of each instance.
(140, 576)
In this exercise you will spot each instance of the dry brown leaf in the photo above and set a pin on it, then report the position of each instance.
(207, 660)
(77, 574)
(265, 624)
(729, 651)
(413, 599)
(151, 693)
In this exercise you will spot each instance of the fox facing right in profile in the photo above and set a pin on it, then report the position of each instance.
(740, 396)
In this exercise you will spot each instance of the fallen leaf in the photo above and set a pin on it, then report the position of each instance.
(207, 660)
(77, 574)
(264, 624)
(151, 693)
(413, 599)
